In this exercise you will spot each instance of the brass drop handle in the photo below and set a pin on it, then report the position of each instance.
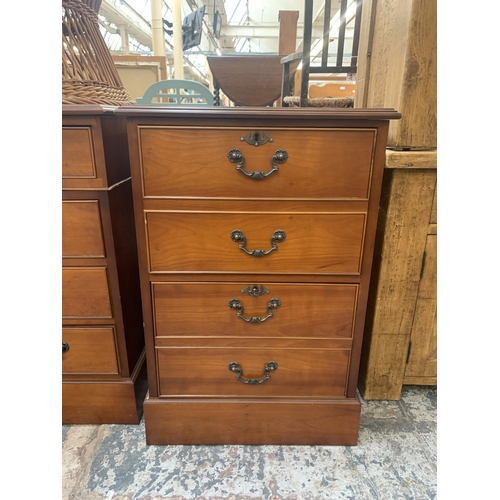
(236, 304)
(65, 347)
(238, 237)
(236, 368)
(236, 156)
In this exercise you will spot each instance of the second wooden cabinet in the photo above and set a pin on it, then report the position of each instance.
(103, 357)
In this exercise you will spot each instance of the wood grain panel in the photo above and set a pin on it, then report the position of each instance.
(423, 356)
(287, 41)
(81, 229)
(85, 293)
(100, 403)
(401, 240)
(317, 243)
(232, 341)
(91, 350)
(383, 367)
(185, 309)
(418, 125)
(343, 89)
(284, 206)
(403, 243)
(322, 164)
(433, 218)
(78, 153)
(411, 159)
(204, 371)
(398, 67)
(225, 421)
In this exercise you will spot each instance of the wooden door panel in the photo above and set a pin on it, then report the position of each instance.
(82, 234)
(422, 362)
(85, 293)
(90, 350)
(77, 153)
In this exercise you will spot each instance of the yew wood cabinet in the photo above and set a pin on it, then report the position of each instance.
(103, 355)
(255, 231)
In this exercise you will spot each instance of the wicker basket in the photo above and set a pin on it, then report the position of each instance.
(89, 75)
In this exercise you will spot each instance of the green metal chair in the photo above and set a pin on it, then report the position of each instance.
(195, 94)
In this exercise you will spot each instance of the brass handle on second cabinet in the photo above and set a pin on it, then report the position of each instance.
(65, 347)
(270, 367)
(236, 156)
(272, 304)
(238, 237)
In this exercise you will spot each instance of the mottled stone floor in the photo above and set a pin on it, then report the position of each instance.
(395, 459)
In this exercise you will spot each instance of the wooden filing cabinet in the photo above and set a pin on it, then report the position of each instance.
(103, 358)
(255, 235)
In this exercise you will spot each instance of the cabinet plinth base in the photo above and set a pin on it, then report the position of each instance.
(222, 421)
(119, 402)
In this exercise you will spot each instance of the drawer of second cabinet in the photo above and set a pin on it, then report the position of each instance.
(89, 350)
(252, 372)
(85, 293)
(78, 158)
(299, 243)
(291, 164)
(254, 310)
(81, 229)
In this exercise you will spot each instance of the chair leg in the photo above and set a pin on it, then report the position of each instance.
(216, 93)
(285, 85)
(306, 53)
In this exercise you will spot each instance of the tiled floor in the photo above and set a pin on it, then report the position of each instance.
(395, 459)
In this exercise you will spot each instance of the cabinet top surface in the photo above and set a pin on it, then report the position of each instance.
(235, 112)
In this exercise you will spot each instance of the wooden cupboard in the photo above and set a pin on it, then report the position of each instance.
(103, 356)
(397, 67)
(400, 346)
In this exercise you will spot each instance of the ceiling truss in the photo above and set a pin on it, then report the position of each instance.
(118, 17)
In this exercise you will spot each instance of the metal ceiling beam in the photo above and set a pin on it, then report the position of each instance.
(271, 31)
(224, 44)
(139, 30)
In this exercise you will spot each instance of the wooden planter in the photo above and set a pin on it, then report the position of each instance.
(89, 75)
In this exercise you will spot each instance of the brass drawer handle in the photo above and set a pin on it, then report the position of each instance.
(235, 367)
(65, 347)
(272, 304)
(236, 156)
(238, 237)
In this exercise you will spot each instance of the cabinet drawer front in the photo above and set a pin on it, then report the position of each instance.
(78, 160)
(85, 293)
(193, 163)
(202, 309)
(311, 373)
(81, 229)
(201, 242)
(90, 350)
